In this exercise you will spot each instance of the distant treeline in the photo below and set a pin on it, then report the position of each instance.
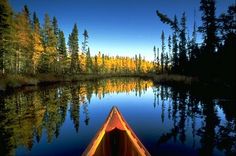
(213, 59)
(29, 48)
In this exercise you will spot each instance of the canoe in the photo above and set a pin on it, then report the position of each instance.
(115, 137)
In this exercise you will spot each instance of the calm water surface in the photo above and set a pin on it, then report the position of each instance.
(62, 120)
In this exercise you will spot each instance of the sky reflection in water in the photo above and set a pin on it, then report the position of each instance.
(62, 120)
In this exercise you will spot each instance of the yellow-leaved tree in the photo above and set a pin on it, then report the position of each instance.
(37, 42)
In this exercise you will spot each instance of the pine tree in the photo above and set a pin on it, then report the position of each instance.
(162, 51)
(49, 56)
(86, 50)
(55, 27)
(175, 61)
(210, 43)
(136, 63)
(155, 59)
(74, 49)
(96, 64)
(182, 46)
(158, 60)
(62, 51)
(56, 33)
(61, 45)
(85, 42)
(27, 13)
(192, 45)
(5, 34)
(103, 68)
(227, 22)
(89, 63)
(169, 46)
(209, 28)
(166, 62)
(226, 56)
(139, 63)
(175, 27)
(194, 34)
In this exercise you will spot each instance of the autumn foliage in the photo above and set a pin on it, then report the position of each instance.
(31, 48)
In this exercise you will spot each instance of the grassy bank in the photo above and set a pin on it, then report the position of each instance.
(208, 87)
(18, 81)
(172, 79)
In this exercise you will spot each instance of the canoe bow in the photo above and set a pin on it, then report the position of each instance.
(115, 122)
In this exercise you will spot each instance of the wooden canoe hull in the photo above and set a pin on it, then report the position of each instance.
(115, 138)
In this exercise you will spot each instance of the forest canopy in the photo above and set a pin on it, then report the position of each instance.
(214, 58)
(28, 47)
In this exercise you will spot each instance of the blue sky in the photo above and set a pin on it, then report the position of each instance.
(117, 27)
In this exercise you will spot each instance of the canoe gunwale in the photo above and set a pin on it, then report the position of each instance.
(91, 148)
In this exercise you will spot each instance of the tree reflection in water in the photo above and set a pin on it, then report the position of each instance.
(200, 122)
(25, 115)
(205, 118)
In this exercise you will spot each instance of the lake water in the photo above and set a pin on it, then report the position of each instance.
(62, 119)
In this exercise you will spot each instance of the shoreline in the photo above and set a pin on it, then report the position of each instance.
(14, 82)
